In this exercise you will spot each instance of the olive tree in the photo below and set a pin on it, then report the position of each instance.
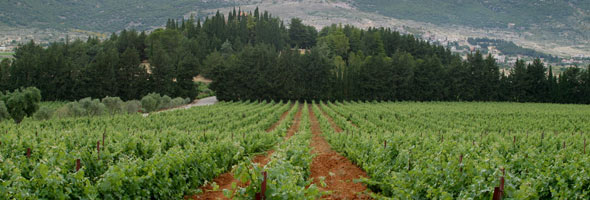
(113, 104)
(22, 103)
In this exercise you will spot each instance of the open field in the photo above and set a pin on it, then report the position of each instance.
(337, 150)
(4, 55)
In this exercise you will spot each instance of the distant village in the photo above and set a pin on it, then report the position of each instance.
(11, 38)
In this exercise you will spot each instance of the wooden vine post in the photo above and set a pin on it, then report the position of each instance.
(77, 164)
(461, 163)
(498, 191)
(98, 149)
(261, 195)
(28, 152)
(409, 160)
(514, 141)
(103, 136)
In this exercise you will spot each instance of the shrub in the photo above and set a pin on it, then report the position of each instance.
(132, 106)
(22, 102)
(96, 107)
(149, 104)
(3, 112)
(74, 109)
(114, 105)
(154, 102)
(62, 112)
(92, 107)
(44, 113)
(176, 102)
(165, 102)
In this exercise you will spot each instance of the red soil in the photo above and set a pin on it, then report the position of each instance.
(225, 180)
(337, 170)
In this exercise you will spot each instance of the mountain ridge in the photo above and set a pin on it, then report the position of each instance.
(563, 30)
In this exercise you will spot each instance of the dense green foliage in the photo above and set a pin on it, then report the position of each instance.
(154, 102)
(113, 105)
(71, 71)
(288, 170)
(509, 48)
(44, 113)
(162, 156)
(409, 150)
(3, 111)
(109, 105)
(255, 56)
(98, 16)
(20, 103)
(413, 150)
(378, 64)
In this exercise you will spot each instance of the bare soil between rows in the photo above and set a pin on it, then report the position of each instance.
(336, 127)
(332, 123)
(225, 180)
(338, 171)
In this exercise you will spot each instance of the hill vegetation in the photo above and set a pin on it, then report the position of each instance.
(101, 16)
(254, 56)
(561, 18)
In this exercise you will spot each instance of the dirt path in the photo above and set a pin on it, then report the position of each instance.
(338, 171)
(280, 120)
(201, 102)
(225, 180)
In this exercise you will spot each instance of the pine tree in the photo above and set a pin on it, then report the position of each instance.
(130, 76)
(536, 81)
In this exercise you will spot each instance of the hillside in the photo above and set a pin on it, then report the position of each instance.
(95, 15)
(566, 18)
(544, 19)
(553, 27)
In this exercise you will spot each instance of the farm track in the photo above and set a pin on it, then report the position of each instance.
(271, 128)
(265, 158)
(338, 171)
(201, 102)
(225, 180)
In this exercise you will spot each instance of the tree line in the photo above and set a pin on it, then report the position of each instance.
(255, 56)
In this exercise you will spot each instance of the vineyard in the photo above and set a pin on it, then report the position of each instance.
(299, 150)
